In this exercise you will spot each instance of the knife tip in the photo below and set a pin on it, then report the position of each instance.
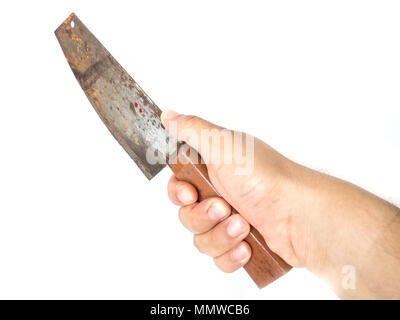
(68, 21)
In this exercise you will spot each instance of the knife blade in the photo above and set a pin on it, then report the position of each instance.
(128, 112)
(134, 120)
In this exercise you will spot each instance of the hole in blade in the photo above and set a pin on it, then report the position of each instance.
(72, 24)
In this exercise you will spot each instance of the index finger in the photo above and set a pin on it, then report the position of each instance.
(181, 193)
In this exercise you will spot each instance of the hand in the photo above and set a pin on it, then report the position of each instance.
(216, 232)
(308, 218)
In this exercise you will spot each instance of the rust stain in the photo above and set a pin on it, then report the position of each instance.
(110, 88)
(78, 40)
(86, 47)
(68, 31)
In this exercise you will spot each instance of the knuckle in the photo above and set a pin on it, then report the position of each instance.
(209, 241)
(203, 244)
(184, 217)
(190, 120)
(197, 244)
(223, 267)
(188, 219)
(181, 215)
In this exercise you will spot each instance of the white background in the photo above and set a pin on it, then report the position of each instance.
(318, 80)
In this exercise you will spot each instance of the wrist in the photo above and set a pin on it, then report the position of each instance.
(290, 221)
(309, 215)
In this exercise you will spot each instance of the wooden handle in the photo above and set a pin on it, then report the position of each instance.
(264, 265)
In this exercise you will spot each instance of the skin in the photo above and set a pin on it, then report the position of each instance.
(335, 229)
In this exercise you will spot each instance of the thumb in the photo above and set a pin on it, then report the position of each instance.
(190, 129)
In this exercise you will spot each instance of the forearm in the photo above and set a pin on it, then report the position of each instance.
(347, 236)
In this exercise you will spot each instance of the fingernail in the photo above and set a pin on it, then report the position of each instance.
(235, 227)
(184, 196)
(168, 115)
(240, 253)
(217, 211)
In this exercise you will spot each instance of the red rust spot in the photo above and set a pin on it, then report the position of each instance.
(140, 110)
(136, 104)
(78, 40)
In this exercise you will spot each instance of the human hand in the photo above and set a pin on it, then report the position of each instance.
(217, 233)
(306, 217)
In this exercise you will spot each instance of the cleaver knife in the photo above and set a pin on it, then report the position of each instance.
(134, 121)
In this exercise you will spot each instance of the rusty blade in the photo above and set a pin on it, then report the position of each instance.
(130, 115)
